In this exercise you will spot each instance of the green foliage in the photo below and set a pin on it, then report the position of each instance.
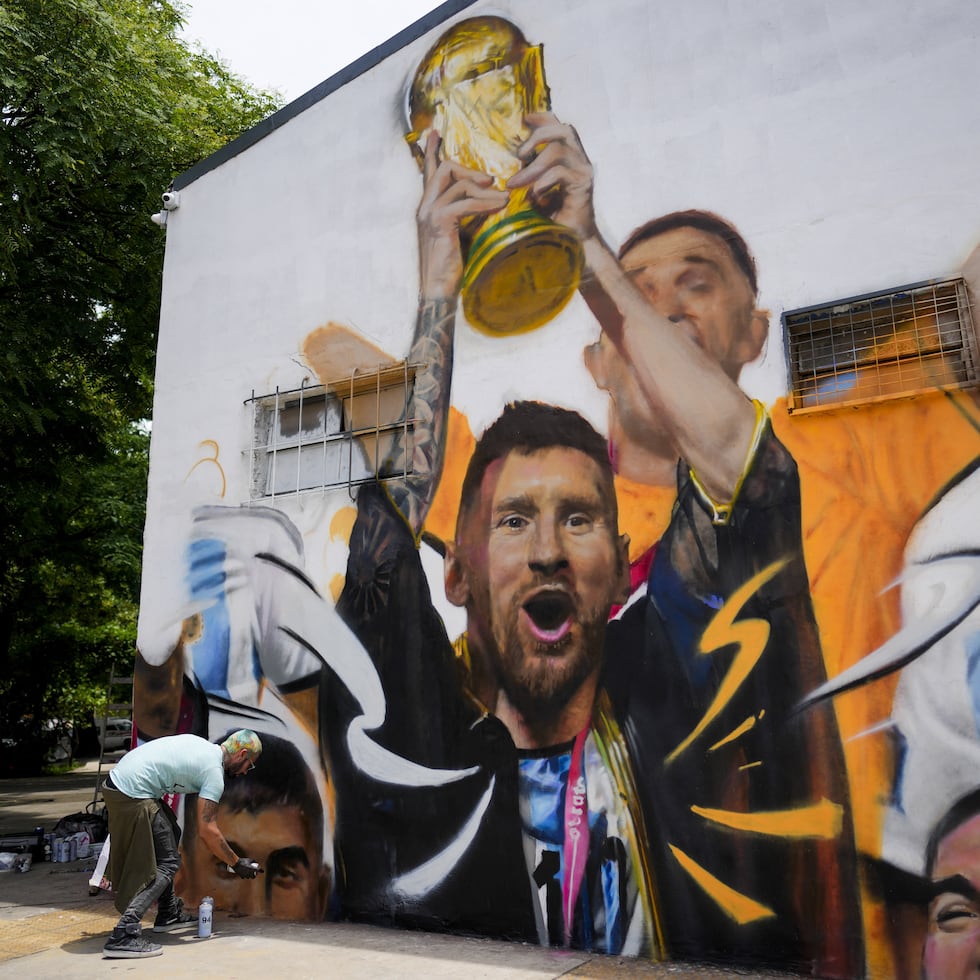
(101, 105)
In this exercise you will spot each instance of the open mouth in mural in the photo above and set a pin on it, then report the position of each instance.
(549, 616)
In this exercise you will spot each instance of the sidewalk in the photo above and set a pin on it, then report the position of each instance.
(262, 948)
(41, 801)
(50, 927)
(66, 943)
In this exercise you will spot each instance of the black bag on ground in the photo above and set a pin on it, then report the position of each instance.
(95, 824)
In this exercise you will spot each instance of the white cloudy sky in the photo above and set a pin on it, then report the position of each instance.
(293, 45)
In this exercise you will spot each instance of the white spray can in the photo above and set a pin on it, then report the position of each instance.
(205, 913)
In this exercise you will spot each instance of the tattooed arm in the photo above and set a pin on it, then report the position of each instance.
(450, 193)
(210, 832)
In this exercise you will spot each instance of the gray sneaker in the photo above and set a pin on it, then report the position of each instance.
(127, 942)
(176, 917)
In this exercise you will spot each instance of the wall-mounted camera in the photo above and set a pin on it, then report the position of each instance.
(171, 200)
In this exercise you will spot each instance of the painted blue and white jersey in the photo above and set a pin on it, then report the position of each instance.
(609, 915)
(234, 654)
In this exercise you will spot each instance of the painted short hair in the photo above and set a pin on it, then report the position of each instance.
(706, 221)
(964, 809)
(283, 780)
(527, 427)
(246, 739)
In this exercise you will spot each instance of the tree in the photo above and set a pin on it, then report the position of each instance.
(101, 105)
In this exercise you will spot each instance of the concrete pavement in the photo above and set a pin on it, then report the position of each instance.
(51, 927)
(262, 948)
(35, 801)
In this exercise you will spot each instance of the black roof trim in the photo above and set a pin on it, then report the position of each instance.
(367, 61)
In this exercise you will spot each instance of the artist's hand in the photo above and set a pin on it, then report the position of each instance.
(451, 192)
(557, 173)
(246, 868)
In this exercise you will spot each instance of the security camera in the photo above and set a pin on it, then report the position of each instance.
(171, 200)
(160, 218)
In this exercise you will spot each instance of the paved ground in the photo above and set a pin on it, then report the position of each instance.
(51, 927)
(44, 800)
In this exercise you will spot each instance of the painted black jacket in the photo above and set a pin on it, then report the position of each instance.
(660, 687)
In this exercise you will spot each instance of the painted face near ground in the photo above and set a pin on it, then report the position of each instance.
(279, 838)
(544, 564)
(690, 277)
(952, 948)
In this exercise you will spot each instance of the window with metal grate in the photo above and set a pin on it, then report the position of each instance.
(881, 345)
(334, 435)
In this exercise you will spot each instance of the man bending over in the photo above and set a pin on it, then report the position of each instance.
(144, 859)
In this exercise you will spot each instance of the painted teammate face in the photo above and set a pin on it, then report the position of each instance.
(952, 948)
(280, 839)
(690, 277)
(543, 564)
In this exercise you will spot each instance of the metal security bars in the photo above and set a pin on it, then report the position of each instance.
(339, 434)
(882, 345)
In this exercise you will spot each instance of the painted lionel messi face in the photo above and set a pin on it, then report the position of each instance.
(541, 564)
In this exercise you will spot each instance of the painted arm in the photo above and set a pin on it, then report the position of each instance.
(708, 418)
(450, 193)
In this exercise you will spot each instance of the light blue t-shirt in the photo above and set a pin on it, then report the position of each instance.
(173, 764)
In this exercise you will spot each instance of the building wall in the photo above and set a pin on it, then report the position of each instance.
(841, 141)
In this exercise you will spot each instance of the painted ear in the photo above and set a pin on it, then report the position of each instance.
(595, 364)
(752, 342)
(454, 576)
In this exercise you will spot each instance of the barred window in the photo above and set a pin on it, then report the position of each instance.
(883, 345)
(333, 435)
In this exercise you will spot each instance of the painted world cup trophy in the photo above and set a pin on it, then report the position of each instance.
(474, 88)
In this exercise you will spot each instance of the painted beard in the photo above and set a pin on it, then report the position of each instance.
(538, 677)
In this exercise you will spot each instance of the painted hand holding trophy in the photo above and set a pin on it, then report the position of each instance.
(474, 88)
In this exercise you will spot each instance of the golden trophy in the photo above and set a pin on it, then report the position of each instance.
(474, 88)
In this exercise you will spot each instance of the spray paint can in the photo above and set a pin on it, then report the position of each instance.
(205, 912)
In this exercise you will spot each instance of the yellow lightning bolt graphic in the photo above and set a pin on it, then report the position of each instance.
(734, 904)
(822, 820)
(751, 635)
(746, 726)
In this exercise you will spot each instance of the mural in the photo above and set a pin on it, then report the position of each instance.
(696, 680)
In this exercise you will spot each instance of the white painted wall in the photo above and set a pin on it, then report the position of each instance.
(842, 138)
